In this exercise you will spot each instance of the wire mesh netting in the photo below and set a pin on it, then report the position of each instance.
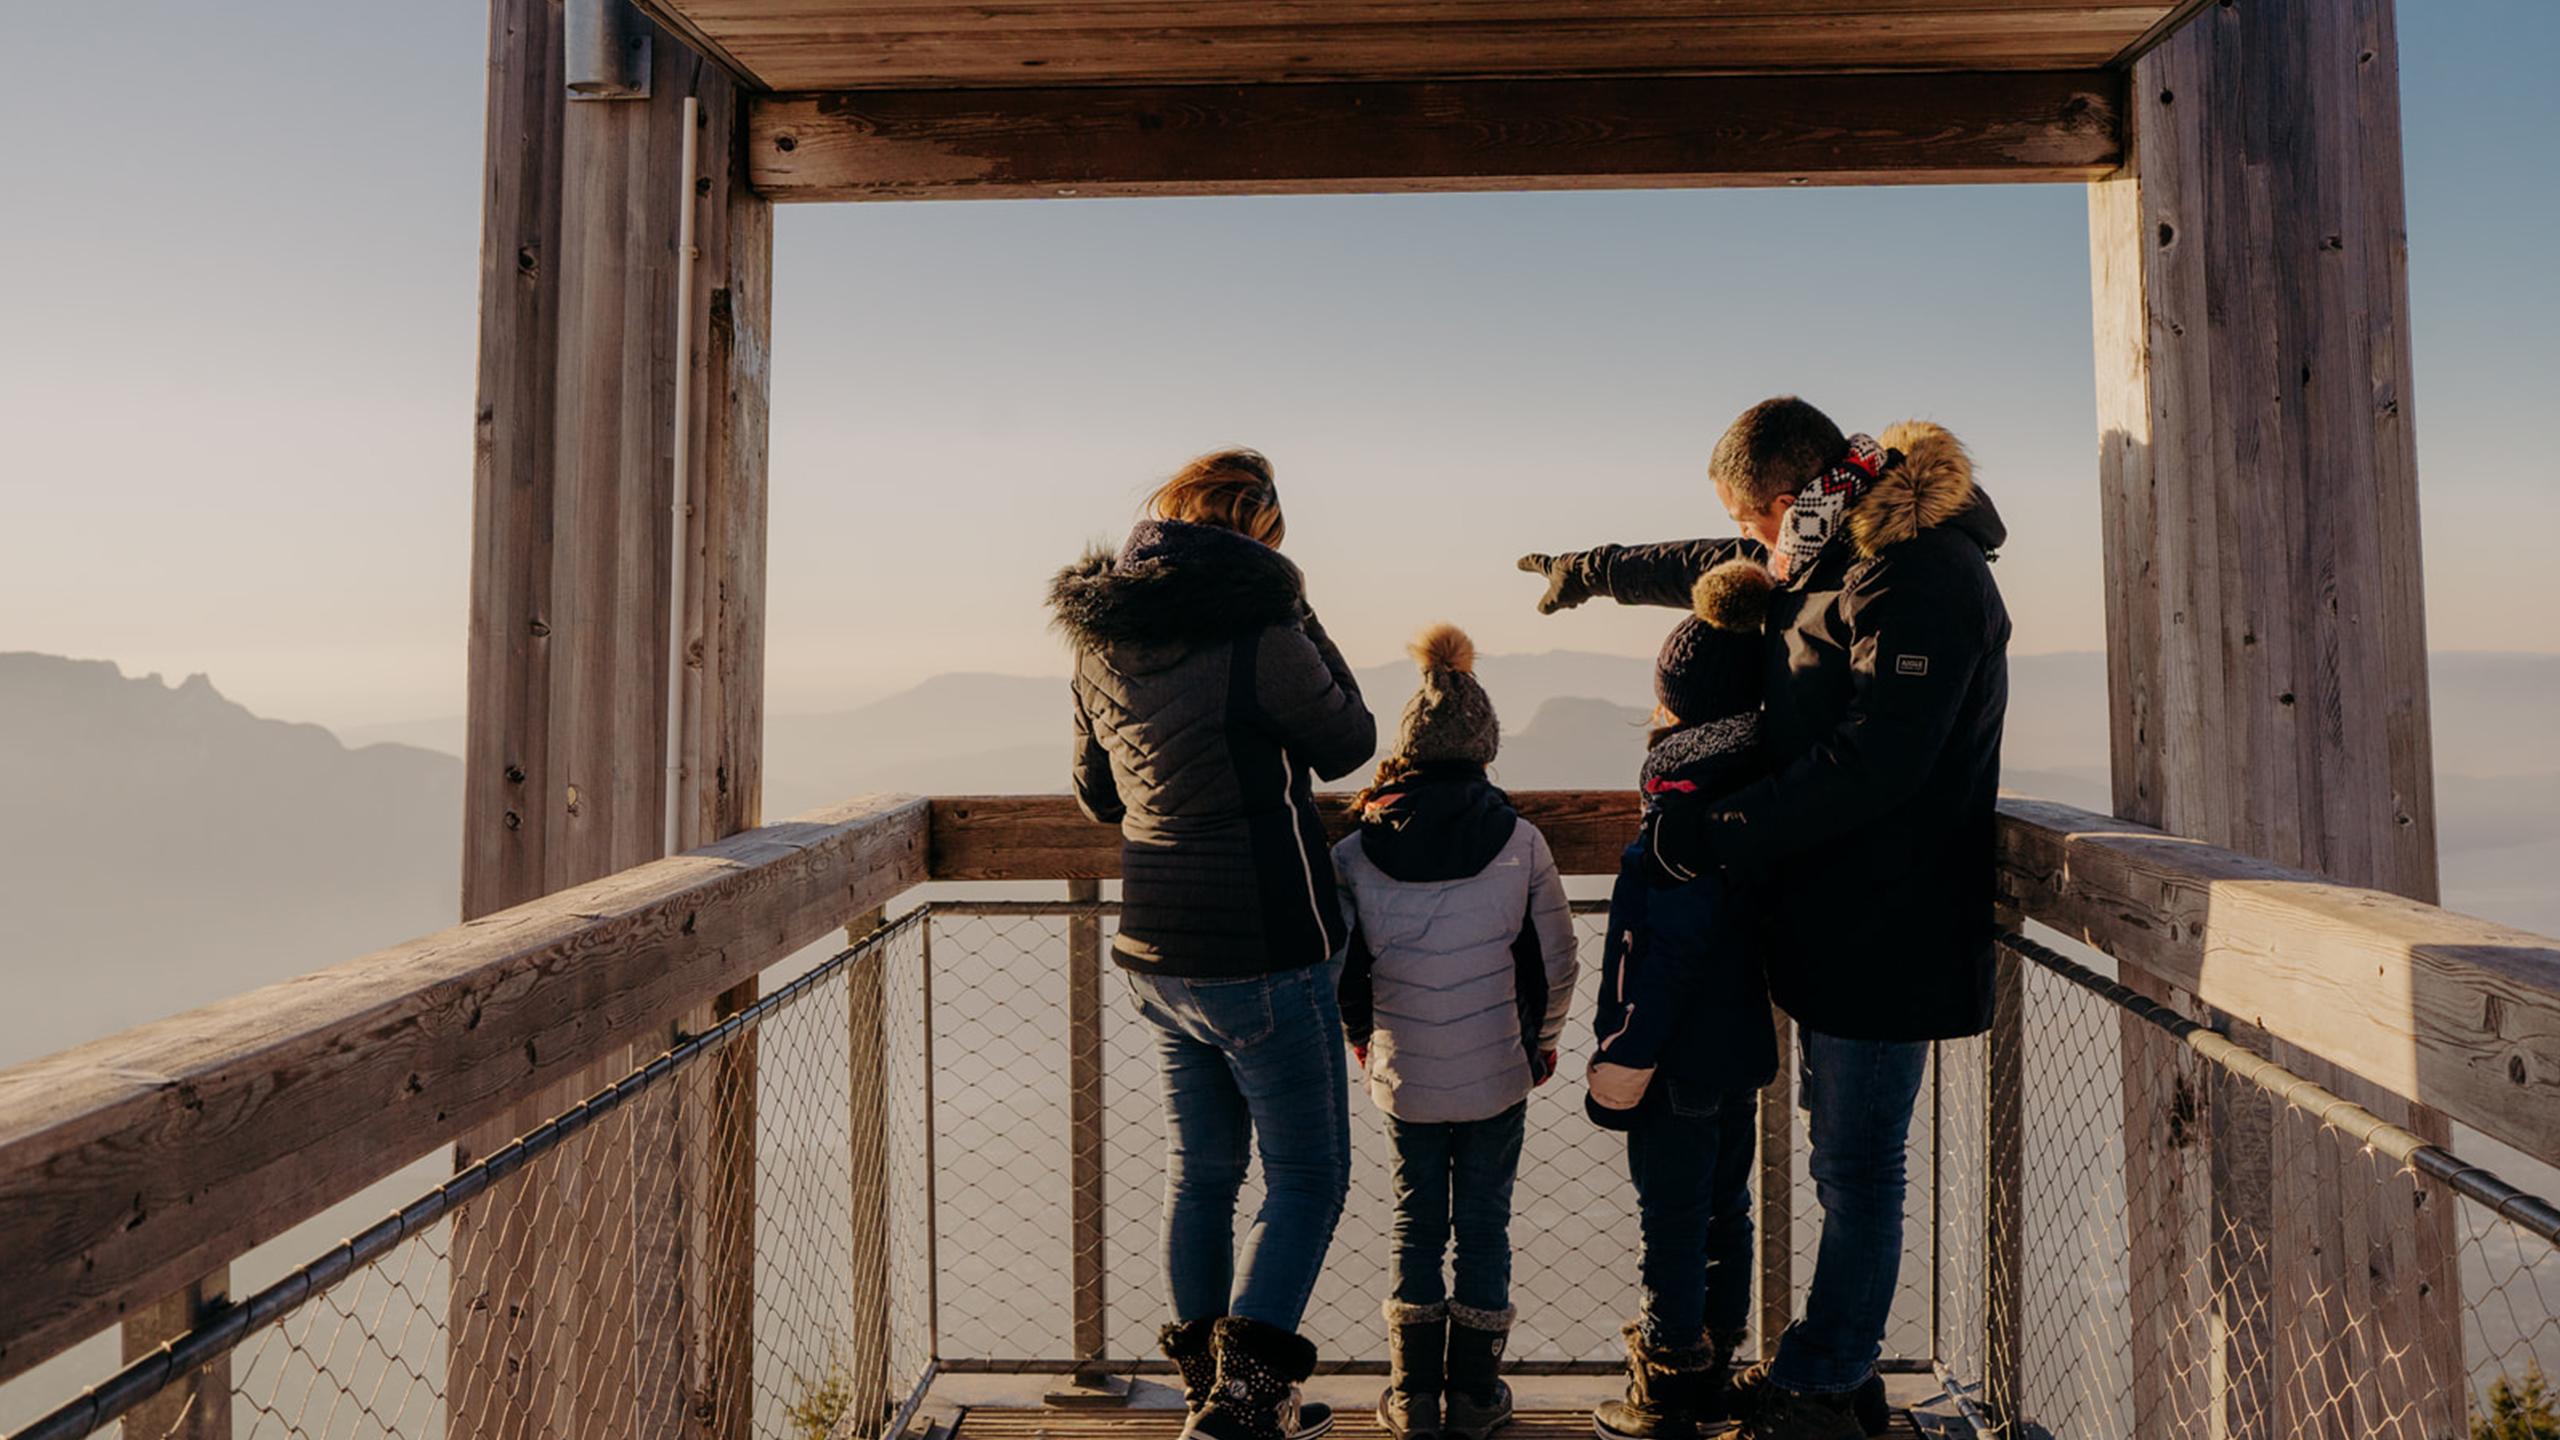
(2177, 1246)
(728, 1241)
(1014, 1293)
(942, 1149)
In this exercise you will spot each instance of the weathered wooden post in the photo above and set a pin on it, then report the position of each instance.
(867, 1124)
(2266, 652)
(628, 1311)
(1778, 1193)
(1086, 1175)
(197, 1406)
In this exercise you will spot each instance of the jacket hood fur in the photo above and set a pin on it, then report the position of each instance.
(1931, 485)
(1178, 583)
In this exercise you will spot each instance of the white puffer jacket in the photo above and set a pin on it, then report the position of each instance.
(1458, 984)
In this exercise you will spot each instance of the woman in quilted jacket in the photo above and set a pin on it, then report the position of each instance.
(1205, 694)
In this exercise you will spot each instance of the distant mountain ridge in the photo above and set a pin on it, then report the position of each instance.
(166, 847)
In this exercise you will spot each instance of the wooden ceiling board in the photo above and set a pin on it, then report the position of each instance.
(937, 44)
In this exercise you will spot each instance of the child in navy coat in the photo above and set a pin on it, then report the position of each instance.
(1685, 1038)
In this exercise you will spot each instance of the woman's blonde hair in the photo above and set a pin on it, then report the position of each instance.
(1230, 489)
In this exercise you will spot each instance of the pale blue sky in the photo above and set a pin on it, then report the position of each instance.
(235, 376)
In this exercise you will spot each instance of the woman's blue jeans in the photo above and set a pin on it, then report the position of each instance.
(1250, 1066)
(1453, 1181)
(1858, 1096)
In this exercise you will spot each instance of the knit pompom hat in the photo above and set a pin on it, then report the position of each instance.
(1715, 663)
(1449, 717)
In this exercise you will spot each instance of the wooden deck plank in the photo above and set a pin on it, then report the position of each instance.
(1350, 1423)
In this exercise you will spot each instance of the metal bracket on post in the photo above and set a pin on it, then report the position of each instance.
(607, 50)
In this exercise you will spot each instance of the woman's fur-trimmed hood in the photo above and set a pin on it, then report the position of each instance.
(1930, 484)
(1175, 583)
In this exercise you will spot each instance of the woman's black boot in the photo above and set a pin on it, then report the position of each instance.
(1186, 1344)
(1256, 1396)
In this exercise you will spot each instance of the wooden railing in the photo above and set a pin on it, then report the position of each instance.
(135, 1165)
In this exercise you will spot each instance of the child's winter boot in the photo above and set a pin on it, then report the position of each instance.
(1673, 1392)
(1256, 1394)
(1186, 1344)
(1417, 1337)
(1478, 1402)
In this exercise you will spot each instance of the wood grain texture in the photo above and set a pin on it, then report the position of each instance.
(1453, 135)
(570, 680)
(841, 44)
(1044, 837)
(128, 1162)
(2267, 652)
(2460, 1014)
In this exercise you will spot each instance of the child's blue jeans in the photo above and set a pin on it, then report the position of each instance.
(1454, 1180)
(1690, 1157)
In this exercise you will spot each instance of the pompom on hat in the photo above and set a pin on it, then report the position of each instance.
(1449, 718)
(1715, 663)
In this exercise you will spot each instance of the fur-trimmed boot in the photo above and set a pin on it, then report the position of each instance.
(1673, 1392)
(1867, 1402)
(1256, 1395)
(1417, 1339)
(1186, 1344)
(1478, 1402)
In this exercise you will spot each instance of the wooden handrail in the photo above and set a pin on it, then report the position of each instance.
(135, 1164)
(2454, 1012)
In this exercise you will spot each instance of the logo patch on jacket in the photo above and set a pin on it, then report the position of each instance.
(1910, 664)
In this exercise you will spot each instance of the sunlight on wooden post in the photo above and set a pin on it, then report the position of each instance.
(867, 1120)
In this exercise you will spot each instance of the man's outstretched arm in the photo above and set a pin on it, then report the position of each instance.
(1632, 574)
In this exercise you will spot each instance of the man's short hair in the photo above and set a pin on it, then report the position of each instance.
(1774, 449)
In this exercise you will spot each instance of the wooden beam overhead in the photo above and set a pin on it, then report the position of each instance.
(813, 45)
(1459, 135)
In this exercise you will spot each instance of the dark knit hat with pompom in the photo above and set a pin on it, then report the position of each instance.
(1449, 717)
(1716, 662)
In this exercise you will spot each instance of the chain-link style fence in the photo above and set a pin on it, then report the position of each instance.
(732, 1240)
(1050, 1216)
(2147, 1230)
(941, 1150)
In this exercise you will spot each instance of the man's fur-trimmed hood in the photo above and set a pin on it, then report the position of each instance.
(1930, 484)
(1175, 583)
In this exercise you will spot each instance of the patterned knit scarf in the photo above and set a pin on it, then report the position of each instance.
(1823, 503)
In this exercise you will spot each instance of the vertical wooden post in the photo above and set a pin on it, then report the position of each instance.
(2266, 638)
(1778, 1193)
(867, 1153)
(1086, 1176)
(610, 1292)
(2003, 1192)
(196, 1406)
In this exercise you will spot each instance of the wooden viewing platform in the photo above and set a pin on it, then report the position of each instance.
(2275, 1261)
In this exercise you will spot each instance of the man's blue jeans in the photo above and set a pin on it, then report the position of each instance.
(1250, 1063)
(1857, 1098)
(1690, 1157)
(1454, 1179)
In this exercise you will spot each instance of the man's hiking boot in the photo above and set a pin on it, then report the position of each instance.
(1186, 1344)
(1478, 1402)
(1673, 1392)
(1417, 1337)
(1867, 1402)
(1255, 1396)
(1781, 1414)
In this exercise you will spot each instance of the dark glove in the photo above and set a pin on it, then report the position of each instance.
(1568, 579)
